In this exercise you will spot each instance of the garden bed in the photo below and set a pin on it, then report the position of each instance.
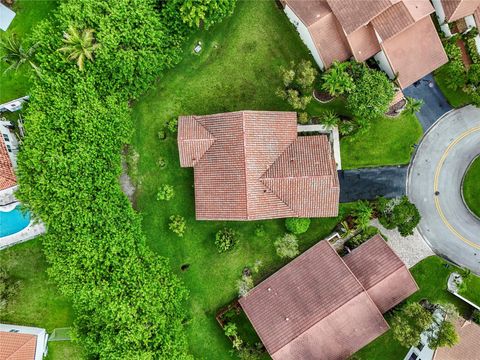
(396, 108)
(322, 96)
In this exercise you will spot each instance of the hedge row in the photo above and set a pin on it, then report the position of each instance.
(128, 304)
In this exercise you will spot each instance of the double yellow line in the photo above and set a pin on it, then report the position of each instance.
(435, 187)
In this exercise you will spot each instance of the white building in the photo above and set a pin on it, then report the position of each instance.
(22, 342)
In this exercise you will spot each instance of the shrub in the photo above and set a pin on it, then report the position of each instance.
(444, 335)
(303, 118)
(287, 246)
(172, 125)
(260, 231)
(336, 80)
(360, 238)
(330, 119)
(165, 192)
(225, 239)
(161, 162)
(297, 226)
(398, 213)
(244, 285)
(162, 134)
(177, 224)
(363, 213)
(298, 84)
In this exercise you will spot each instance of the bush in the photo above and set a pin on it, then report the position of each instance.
(298, 84)
(287, 246)
(260, 231)
(165, 192)
(303, 118)
(297, 226)
(162, 135)
(398, 213)
(225, 240)
(177, 224)
(172, 125)
(360, 238)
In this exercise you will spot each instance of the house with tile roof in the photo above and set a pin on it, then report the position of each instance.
(323, 306)
(398, 34)
(7, 158)
(22, 342)
(252, 165)
(458, 16)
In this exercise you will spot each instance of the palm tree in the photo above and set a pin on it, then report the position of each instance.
(79, 45)
(413, 105)
(16, 56)
(337, 81)
(330, 119)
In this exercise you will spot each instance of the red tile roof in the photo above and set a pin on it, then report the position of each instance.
(364, 43)
(313, 308)
(468, 348)
(7, 175)
(251, 165)
(477, 16)
(381, 272)
(457, 9)
(14, 346)
(407, 55)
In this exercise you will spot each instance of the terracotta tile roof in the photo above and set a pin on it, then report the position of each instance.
(309, 11)
(477, 16)
(14, 346)
(353, 14)
(254, 162)
(419, 8)
(468, 348)
(313, 308)
(364, 43)
(457, 9)
(381, 272)
(330, 40)
(7, 175)
(405, 50)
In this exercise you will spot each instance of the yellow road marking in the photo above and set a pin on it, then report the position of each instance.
(435, 187)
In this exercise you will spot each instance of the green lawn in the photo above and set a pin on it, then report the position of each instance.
(455, 98)
(38, 302)
(29, 13)
(389, 142)
(471, 187)
(470, 289)
(431, 276)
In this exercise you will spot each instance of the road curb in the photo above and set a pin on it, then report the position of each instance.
(461, 188)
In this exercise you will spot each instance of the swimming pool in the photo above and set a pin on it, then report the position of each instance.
(13, 221)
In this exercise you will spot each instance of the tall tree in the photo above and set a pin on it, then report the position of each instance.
(79, 46)
(409, 323)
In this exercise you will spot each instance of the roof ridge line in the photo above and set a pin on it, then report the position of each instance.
(341, 305)
(34, 337)
(277, 196)
(247, 214)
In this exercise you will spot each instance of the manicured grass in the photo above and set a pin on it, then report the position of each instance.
(470, 289)
(37, 302)
(471, 187)
(455, 98)
(29, 13)
(431, 276)
(389, 142)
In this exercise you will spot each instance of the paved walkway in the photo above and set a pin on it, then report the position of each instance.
(411, 249)
(434, 185)
(368, 183)
(434, 103)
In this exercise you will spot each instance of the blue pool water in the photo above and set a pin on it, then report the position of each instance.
(13, 221)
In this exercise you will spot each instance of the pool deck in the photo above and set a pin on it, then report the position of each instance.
(34, 228)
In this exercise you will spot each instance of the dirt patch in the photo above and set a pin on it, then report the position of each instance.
(322, 96)
(128, 178)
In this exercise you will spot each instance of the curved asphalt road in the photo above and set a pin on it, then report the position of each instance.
(439, 166)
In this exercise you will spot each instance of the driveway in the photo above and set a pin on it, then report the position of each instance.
(434, 103)
(434, 185)
(368, 183)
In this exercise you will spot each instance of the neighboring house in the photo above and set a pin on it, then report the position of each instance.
(458, 16)
(468, 347)
(6, 17)
(399, 34)
(322, 306)
(8, 147)
(22, 342)
(251, 165)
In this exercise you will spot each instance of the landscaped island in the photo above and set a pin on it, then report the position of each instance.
(471, 187)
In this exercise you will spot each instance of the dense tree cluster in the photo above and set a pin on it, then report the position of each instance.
(128, 304)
